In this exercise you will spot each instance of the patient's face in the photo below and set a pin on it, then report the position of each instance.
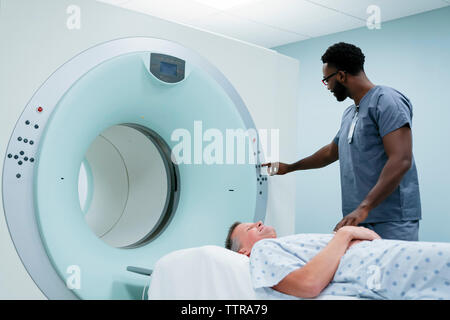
(249, 233)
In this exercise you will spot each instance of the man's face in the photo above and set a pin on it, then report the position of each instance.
(338, 89)
(249, 233)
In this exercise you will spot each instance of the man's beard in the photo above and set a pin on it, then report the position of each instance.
(340, 92)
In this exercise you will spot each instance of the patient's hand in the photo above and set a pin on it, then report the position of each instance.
(358, 233)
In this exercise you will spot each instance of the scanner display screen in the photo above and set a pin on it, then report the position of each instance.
(168, 69)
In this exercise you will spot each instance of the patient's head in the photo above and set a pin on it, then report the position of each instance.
(242, 236)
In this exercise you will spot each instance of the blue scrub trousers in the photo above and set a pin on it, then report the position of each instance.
(395, 230)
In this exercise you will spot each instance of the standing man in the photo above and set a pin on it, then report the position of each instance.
(379, 184)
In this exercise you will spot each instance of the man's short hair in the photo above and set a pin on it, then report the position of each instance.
(345, 57)
(232, 243)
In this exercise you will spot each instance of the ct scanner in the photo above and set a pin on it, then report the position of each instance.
(103, 110)
(90, 183)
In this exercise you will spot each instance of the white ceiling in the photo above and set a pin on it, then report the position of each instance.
(271, 23)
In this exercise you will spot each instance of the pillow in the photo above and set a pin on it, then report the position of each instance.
(207, 273)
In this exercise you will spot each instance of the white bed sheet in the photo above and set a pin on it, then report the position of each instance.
(206, 273)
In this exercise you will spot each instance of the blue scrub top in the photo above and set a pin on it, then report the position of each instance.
(381, 111)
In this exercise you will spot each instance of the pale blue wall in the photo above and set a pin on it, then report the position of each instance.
(411, 54)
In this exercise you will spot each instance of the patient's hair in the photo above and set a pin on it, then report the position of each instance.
(345, 57)
(232, 244)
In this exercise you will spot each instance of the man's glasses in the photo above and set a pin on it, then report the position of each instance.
(325, 80)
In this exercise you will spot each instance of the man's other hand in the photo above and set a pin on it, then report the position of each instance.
(352, 219)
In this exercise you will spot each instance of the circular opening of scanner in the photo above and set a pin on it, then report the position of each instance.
(124, 186)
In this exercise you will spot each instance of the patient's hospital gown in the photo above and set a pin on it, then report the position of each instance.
(378, 269)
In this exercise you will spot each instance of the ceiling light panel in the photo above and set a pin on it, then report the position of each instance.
(174, 10)
(225, 4)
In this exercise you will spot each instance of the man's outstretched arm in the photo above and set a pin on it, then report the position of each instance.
(321, 158)
(309, 280)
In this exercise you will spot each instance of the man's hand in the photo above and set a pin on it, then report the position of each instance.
(353, 219)
(278, 168)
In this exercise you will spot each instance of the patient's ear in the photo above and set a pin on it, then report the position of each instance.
(244, 251)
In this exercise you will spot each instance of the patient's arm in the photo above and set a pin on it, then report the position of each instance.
(309, 280)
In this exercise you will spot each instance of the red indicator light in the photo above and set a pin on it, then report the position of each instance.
(40, 109)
